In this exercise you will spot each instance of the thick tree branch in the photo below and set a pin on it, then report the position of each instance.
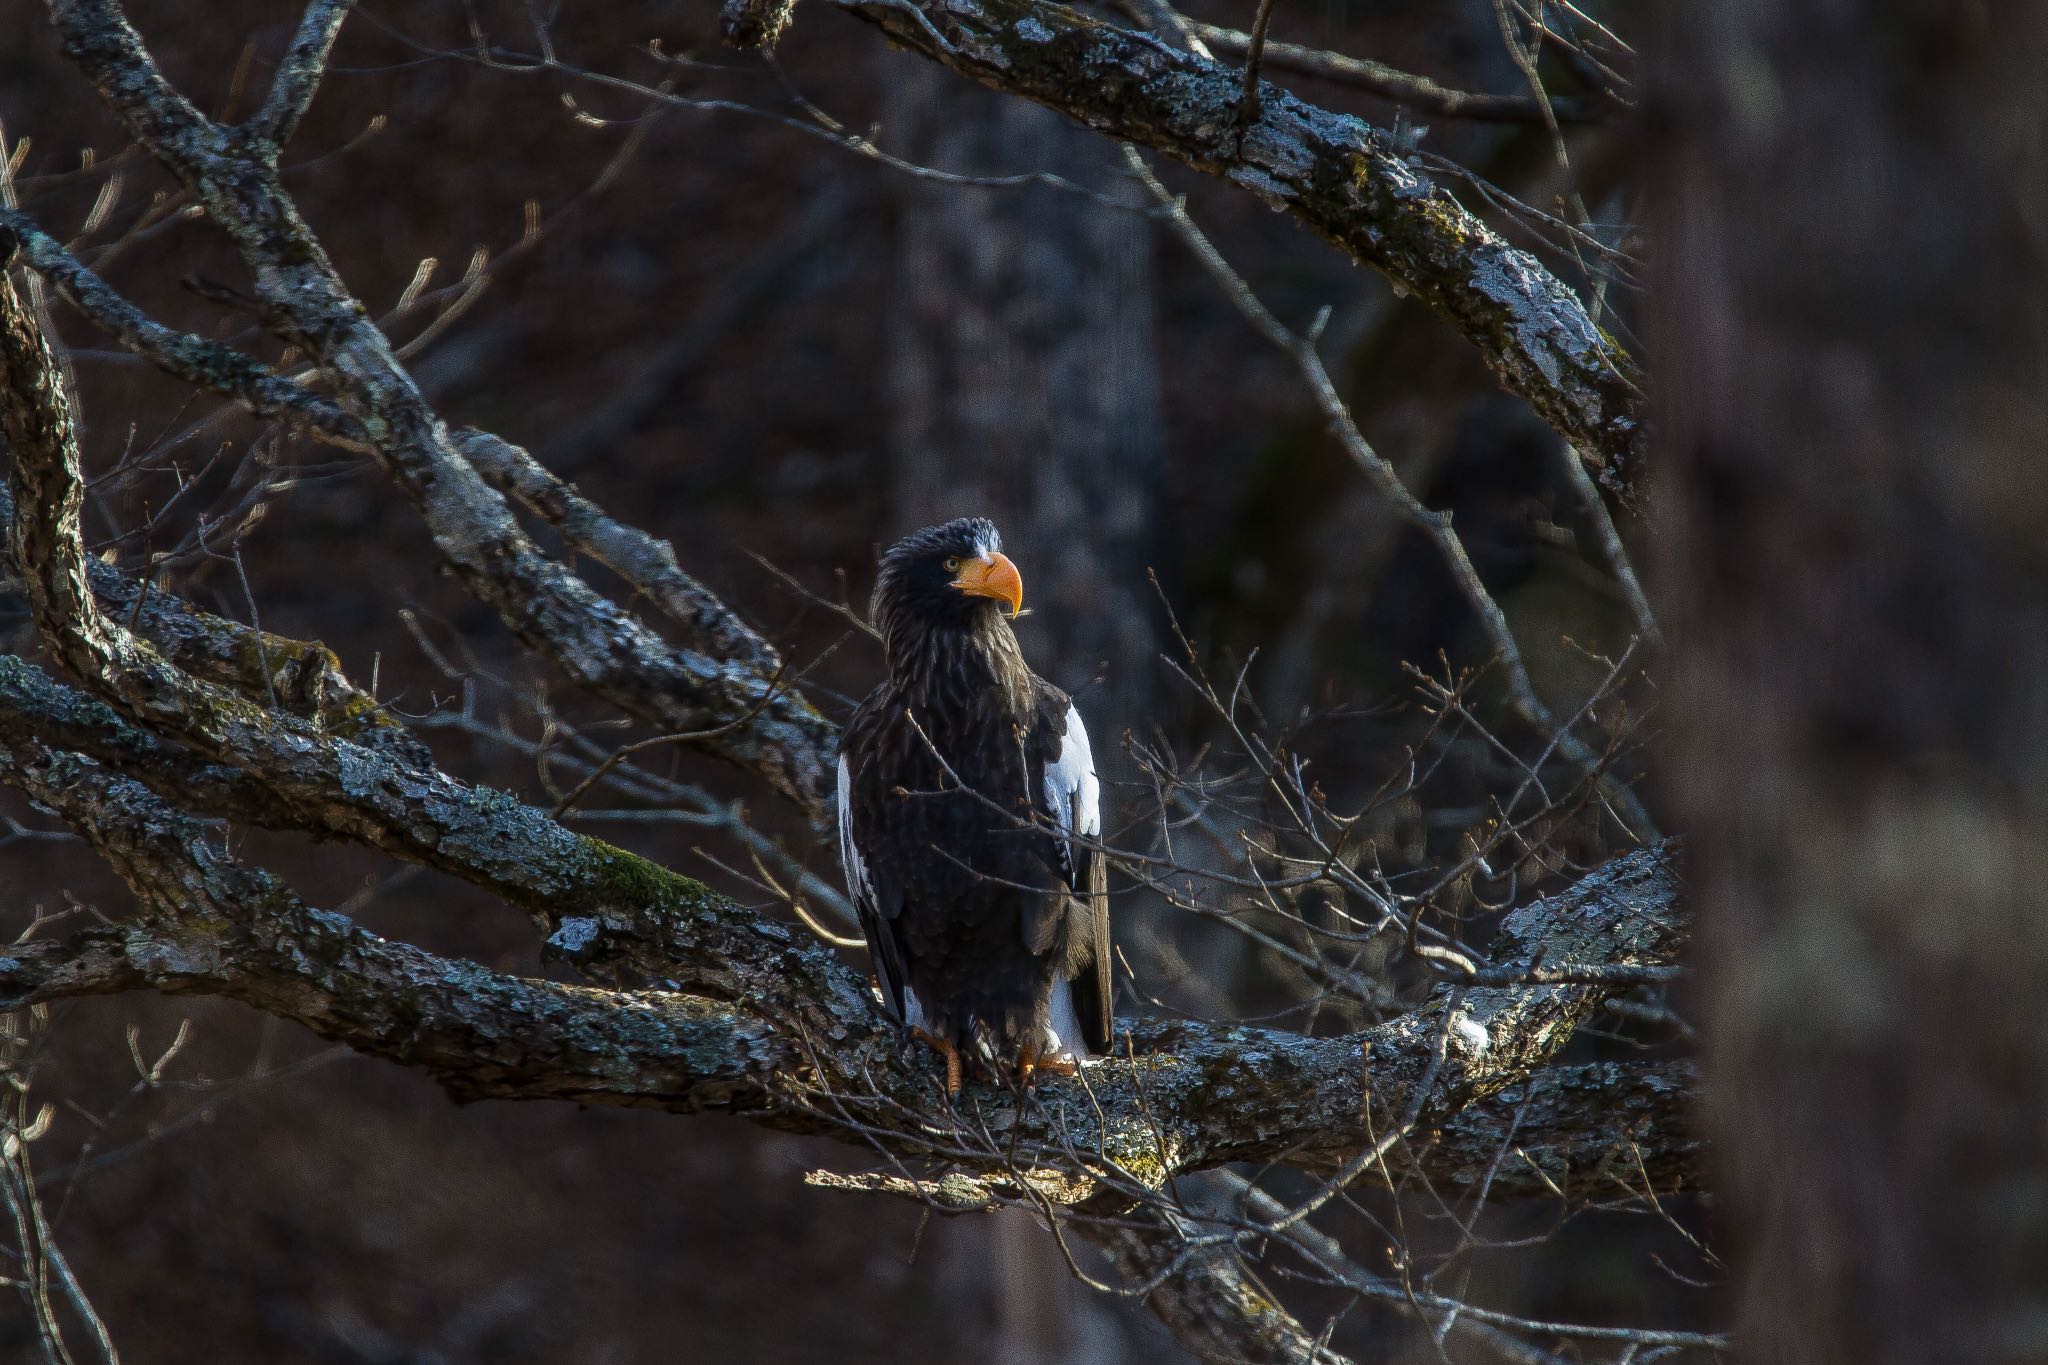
(801, 1045)
(742, 715)
(1302, 1097)
(1331, 171)
(49, 550)
(617, 917)
(215, 927)
(1590, 1129)
(635, 919)
(647, 563)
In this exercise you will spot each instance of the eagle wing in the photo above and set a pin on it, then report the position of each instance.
(1073, 800)
(883, 947)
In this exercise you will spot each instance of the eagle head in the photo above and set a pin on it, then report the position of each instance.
(954, 574)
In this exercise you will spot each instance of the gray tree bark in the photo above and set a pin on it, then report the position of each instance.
(1853, 235)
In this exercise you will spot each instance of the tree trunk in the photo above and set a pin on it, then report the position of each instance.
(1850, 330)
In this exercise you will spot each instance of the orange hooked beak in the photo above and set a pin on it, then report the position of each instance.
(994, 577)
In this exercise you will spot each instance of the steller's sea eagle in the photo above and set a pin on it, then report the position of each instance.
(965, 790)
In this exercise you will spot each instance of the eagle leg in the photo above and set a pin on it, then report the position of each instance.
(945, 1048)
(1030, 1061)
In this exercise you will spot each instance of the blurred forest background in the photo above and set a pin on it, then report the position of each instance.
(773, 350)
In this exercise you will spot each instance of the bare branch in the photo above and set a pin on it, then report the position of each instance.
(194, 359)
(546, 606)
(1391, 83)
(642, 560)
(1333, 172)
(298, 77)
(806, 1047)
(1387, 480)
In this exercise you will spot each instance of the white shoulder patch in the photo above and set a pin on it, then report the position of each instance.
(1063, 1035)
(856, 871)
(1071, 791)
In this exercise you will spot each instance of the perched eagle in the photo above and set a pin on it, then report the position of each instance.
(965, 787)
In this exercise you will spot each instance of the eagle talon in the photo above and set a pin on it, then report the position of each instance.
(1030, 1061)
(945, 1048)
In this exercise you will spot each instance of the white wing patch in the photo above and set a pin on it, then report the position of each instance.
(1063, 1036)
(1071, 791)
(1074, 797)
(849, 856)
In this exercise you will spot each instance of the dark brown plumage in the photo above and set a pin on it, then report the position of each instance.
(965, 785)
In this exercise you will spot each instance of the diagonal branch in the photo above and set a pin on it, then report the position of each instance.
(212, 926)
(618, 917)
(641, 919)
(1205, 1294)
(182, 355)
(545, 605)
(298, 77)
(1333, 172)
(645, 562)
(1433, 524)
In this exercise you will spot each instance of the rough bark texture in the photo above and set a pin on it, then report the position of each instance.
(1331, 171)
(774, 1026)
(1850, 225)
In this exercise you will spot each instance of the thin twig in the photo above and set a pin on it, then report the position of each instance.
(1254, 54)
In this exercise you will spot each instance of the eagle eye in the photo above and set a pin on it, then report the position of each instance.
(952, 564)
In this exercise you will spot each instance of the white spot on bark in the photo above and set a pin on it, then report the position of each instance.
(1471, 1033)
(574, 936)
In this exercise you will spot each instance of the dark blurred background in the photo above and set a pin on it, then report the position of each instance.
(754, 341)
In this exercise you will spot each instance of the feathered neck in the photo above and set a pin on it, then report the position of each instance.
(954, 666)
